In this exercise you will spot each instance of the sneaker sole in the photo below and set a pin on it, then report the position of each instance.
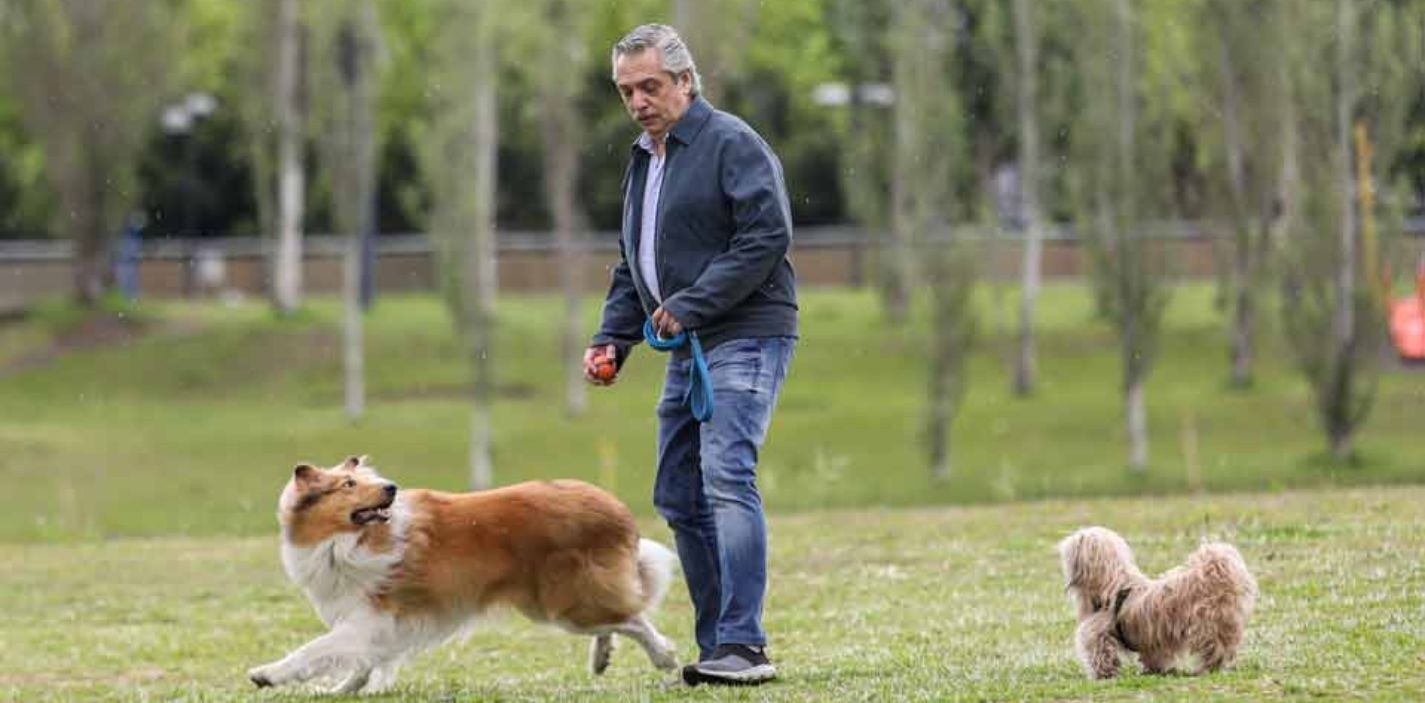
(754, 676)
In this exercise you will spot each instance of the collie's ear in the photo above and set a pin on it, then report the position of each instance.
(305, 473)
(353, 462)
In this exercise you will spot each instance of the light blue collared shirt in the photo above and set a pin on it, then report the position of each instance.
(648, 228)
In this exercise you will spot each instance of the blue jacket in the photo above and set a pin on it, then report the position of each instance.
(724, 227)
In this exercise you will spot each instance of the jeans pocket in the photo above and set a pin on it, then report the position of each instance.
(737, 365)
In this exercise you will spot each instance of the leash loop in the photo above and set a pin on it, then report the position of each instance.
(699, 396)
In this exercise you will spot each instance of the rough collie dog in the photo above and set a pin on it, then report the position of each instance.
(1199, 609)
(392, 572)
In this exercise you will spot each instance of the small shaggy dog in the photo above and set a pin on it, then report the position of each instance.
(394, 572)
(1200, 609)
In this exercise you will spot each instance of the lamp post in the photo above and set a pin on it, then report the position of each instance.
(179, 120)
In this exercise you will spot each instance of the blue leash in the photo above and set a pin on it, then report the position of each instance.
(700, 391)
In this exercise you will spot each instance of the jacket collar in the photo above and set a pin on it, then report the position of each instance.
(687, 128)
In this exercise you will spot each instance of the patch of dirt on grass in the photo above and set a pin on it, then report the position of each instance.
(95, 331)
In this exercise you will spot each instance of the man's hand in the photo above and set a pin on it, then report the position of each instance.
(597, 357)
(665, 324)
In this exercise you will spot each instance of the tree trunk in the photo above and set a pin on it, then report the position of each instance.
(951, 336)
(1289, 185)
(259, 151)
(1027, 47)
(357, 187)
(1135, 401)
(568, 231)
(1342, 357)
(354, 343)
(942, 415)
(90, 239)
(1244, 232)
(1132, 279)
(1343, 443)
(1244, 315)
(896, 258)
(562, 136)
(291, 177)
(481, 265)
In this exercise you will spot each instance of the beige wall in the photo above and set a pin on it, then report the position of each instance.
(527, 269)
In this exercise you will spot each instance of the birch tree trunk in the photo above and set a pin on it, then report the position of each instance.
(356, 184)
(561, 124)
(458, 151)
(1026, 42)
(481, 259)
(291, 178)
(1243, 313)
(929, 129)
(1131, 276)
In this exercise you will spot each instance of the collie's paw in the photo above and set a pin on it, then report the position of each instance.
(666, 658)
(261, 676)
(600, 652)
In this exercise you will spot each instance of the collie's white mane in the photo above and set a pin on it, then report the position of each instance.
(339, 574)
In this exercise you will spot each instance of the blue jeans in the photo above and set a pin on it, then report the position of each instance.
(707, 485)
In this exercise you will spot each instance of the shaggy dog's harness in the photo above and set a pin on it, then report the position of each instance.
(1118, 624)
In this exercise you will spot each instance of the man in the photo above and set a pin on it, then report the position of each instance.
(706, 229)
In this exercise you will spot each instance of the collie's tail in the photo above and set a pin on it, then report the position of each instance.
(655, 571)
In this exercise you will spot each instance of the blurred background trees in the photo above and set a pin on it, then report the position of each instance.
(1291, 131)
(87, 80)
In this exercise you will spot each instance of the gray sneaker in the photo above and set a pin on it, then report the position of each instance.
(732, 665)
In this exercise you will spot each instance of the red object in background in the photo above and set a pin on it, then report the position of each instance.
(1407, 327)
(1407, 321)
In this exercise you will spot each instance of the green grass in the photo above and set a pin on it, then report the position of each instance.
(141, 475)
(872, 605)
(192, 428)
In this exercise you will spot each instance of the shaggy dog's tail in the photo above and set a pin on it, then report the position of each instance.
(1222, 563)
(655, 571)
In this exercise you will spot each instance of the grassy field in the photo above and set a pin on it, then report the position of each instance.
(191, 427)
(142, 455)
(877, 605)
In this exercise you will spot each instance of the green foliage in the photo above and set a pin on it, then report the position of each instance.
(860, 32)
(768, 58)
(86, 79)
(25, 200)
(1120, 182)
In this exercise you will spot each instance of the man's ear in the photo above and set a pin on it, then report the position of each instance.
(305, 473)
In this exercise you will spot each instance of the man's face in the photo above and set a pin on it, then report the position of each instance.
(654, 98)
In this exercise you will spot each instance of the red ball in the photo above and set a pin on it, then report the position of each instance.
(605, 369)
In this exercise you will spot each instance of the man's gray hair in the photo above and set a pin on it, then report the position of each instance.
(675, 55)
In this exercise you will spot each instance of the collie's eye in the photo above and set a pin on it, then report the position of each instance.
(349, 483)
